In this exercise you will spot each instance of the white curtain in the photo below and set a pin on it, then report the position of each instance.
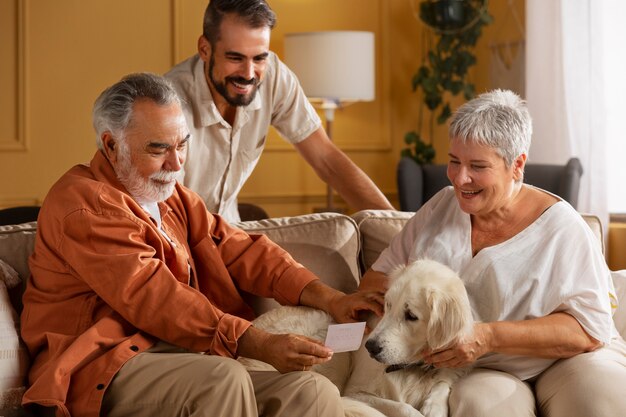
(566, 82)
(614, 65)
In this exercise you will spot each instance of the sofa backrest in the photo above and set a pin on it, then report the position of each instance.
(335, 247)
(326, 243)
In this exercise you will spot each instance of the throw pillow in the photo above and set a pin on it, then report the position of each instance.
(619, 281)
(377, 228)
(13, 355)
(325, 243)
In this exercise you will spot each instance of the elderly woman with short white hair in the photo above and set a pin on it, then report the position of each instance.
(540, 290)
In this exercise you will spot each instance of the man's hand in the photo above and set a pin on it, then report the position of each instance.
(343, 308)
(375, 282)
(350, 308)
(285, 352)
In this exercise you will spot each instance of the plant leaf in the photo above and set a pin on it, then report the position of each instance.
(410, 138)
(446, 66)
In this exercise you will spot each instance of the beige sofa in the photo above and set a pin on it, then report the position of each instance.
(336, 247)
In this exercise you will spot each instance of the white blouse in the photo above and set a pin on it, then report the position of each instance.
(554, 265)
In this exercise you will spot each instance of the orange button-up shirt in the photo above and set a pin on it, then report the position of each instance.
(106, 284)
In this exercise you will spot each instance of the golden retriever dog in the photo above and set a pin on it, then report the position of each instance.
(426, 306)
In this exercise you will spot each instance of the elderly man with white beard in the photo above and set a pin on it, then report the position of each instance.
(135, 306)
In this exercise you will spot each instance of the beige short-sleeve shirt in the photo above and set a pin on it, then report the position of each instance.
(221, 157)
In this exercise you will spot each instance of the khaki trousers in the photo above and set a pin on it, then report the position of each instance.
(168, 381)
(587, 385)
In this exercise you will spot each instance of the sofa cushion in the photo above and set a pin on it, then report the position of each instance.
(619, 317)
(16, 245)
(326, 243)
(377, 227)
(595, 224)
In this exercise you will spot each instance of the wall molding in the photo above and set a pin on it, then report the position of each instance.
(20, 142)
(176, 10)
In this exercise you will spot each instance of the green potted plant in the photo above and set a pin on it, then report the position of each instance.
(452, 28)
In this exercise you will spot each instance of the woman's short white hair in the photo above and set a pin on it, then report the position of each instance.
(498, 119)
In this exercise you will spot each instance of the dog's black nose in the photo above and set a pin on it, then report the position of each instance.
(373, 347)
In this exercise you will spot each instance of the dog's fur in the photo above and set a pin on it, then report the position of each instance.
(426, 306)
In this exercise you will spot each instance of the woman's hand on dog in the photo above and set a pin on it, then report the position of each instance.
(285, 352)
(462, 354)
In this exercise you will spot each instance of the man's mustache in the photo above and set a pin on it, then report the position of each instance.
(167, 176)
(243, 81)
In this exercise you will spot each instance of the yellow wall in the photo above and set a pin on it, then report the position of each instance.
(56, 56)
(67, 51)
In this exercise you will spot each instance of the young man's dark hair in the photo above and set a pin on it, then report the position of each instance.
(256, 13)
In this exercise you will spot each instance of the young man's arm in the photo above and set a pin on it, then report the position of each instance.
(338, 171)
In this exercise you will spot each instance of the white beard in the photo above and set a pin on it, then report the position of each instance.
(144, 191)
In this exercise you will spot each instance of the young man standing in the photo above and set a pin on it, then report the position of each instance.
(233, 90)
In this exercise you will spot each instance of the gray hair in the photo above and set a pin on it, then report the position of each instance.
(113, 109)
(255, 13)
(498, 119)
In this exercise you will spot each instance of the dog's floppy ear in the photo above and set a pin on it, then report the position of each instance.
(450, 317)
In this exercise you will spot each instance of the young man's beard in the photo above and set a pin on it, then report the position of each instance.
(237, 99)
(144, 191)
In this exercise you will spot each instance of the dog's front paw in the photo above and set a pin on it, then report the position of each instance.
(434, 408)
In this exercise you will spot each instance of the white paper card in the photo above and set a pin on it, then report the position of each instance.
(345, 337)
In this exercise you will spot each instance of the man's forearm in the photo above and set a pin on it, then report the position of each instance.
(374, 281)
(337, 170)
(344, 308)
(355, 187)
(317, 294)
(251, 343)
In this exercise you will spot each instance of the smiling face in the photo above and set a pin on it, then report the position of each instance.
(482, 181)
(148, 160)
(236, 63)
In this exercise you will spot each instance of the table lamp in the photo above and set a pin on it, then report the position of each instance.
(335, 68)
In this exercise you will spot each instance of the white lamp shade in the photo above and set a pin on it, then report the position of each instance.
(334, 65)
